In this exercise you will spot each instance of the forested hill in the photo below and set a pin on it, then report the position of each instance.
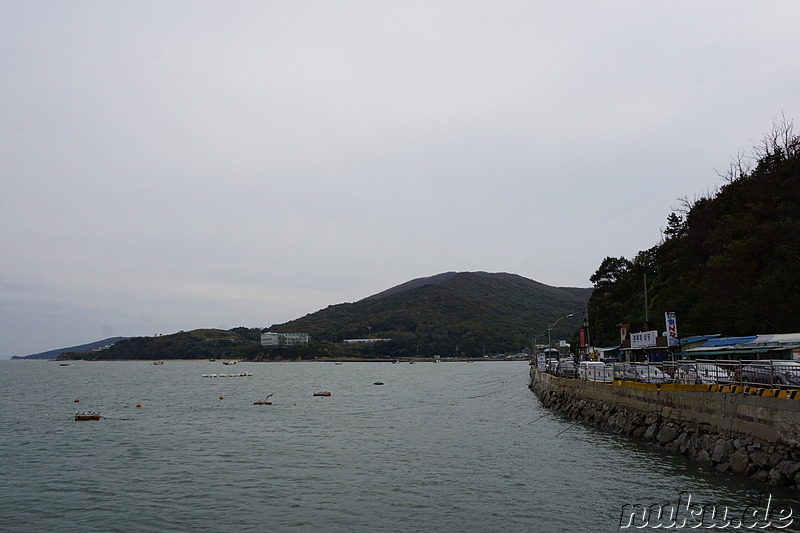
(464, 312)
(455, 313)
(729, 262)
(236, 343)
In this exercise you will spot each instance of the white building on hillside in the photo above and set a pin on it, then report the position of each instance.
(284, 339)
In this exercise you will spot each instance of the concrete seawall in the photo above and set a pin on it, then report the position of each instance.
(749, 433)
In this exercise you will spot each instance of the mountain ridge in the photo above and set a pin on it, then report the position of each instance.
(53, 354)
(466, 311)
(453, 313)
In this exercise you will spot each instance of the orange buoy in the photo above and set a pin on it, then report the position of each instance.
(138, 405)
(77, 400)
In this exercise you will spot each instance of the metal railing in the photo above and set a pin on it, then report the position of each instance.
(783, 374)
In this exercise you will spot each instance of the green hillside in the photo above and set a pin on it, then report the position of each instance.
(237, 343)
(728, 262)
(465, 313)
(469, 313)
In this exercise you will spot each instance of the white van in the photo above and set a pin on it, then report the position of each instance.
(595, 371)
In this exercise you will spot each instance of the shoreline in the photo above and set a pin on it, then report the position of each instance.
(331, 360)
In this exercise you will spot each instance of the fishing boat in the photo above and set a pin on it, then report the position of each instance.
(88, 415)
(265, 401)
(322, 393)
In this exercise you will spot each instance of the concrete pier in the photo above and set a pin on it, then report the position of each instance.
(748, 432)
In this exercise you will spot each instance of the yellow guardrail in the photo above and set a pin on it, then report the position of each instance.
(792, 394)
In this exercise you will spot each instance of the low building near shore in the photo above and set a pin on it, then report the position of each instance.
(284, 339)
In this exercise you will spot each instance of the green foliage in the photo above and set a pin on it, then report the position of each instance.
(469, 313)
(237, 343)
(729, 265)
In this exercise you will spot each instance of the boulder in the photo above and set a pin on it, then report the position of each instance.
(682, 442)
(652, 431)
(788, 468)
(760, 475)
(723, 468)
(777, 478)
(722, 451)
(703, 457)
(667, 434)
(740, 461)
(707, 442)
(759, 457)
(776, 457)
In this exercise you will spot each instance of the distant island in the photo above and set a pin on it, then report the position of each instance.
(54, 354)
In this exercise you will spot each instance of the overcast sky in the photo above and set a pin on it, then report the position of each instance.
(170, 165)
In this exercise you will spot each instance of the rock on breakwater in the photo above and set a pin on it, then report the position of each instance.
(773, 461)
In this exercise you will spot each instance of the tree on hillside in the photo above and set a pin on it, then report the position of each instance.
(727, 263)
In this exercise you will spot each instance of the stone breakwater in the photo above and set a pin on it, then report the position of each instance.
(743, 446)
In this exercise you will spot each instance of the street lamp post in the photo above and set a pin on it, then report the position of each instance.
(549, 342)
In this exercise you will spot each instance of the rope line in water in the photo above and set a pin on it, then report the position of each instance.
(568, 428)
(532, 421)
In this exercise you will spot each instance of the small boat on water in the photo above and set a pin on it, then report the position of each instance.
(322, 393)
(88, 415)
(229, 362)
(378, 383)
(65, 364)
(158, 362)
(265, 401)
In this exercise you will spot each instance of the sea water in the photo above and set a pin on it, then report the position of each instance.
(454, 446)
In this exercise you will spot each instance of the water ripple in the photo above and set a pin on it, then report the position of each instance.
(447, 447)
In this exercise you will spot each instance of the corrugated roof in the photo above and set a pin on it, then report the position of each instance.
(698, 338)
(728, 341)
(784, 338)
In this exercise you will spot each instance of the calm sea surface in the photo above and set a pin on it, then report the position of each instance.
(438, 447)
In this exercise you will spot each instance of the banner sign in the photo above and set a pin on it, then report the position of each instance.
(583, 337)
(644, 339)
(672, 329)
(541, 363)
